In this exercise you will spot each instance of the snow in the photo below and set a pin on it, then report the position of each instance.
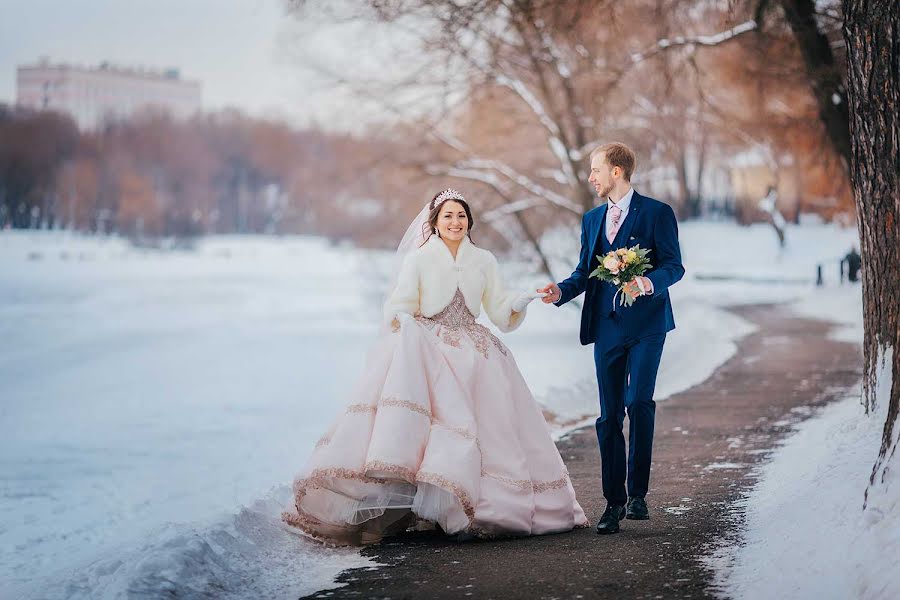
(806, 534)
(149, 398)
(156, 405)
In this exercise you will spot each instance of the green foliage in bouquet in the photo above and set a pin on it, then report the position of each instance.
(621, 266)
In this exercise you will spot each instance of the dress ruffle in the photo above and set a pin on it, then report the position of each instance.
(442, 427)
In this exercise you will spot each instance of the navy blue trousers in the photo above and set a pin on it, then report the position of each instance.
(626, 376)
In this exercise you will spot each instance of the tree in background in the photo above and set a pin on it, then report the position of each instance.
(152, 176)
(33, 149)
(527, 89)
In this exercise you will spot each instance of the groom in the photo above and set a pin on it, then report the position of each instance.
(628, 340)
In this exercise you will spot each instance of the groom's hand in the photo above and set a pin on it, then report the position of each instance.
(646, 285)
(634, 290)
(553, 293)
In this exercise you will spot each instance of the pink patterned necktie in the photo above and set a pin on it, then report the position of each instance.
(616, 213)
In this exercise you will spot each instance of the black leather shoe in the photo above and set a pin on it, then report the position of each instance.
(609, 522)
(637, 509)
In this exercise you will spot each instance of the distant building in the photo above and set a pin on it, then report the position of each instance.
(92, 95)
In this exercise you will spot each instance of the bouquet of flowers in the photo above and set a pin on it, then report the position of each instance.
(620, 267)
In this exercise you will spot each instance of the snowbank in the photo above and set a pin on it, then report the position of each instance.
(806, 534)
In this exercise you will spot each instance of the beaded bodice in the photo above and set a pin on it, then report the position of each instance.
(456, 314)
(456, 319)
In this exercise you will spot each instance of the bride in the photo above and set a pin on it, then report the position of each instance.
(441, 427)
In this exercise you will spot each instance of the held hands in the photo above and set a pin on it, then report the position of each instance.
(551, 293)
(524, 299)
(639, 287)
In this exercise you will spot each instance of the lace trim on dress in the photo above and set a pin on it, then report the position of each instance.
(404, 473)
(452, 487)
(405, 404)
(455, 320)
(546, 486)
(535, 486)
(457, 430)
(389, 401)
(524, 484)
(308, 525)
(319, 477)
(519, 483)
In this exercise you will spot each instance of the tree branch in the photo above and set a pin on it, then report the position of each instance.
(698, 40)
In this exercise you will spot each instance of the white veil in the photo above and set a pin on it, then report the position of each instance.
(417, 234)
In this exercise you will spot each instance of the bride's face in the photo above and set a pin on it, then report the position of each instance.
(452, 221)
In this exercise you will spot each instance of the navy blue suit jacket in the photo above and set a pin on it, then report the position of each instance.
(651, 224)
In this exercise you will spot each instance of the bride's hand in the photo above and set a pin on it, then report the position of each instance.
(523, 299)
(399, 319)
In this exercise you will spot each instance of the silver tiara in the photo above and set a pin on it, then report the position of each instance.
(448, 194)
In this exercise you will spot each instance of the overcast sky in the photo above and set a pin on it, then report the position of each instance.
(246, 53)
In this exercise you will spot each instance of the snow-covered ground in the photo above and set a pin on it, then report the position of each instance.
(155, 405)
(806, 534)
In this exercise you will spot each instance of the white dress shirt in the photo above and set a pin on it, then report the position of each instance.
(624, 204)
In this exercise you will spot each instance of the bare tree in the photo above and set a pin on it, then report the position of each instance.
(540, 78)
(872, 33)
(813, 28)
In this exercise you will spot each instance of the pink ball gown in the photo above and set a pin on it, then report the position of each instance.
(440, 427)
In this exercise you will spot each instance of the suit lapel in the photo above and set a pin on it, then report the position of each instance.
(601, 222)
(625, 230)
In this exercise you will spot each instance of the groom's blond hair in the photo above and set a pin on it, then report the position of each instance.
(619, 155)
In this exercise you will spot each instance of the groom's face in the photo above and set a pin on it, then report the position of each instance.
(601, 175)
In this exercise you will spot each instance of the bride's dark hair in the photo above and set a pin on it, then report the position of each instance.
(435, 212)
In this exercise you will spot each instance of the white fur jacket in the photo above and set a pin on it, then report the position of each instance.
(429, 277)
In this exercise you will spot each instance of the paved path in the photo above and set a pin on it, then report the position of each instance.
(707, 439)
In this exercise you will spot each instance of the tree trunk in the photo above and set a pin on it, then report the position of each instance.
(872, 34)
(823, 72)
(697, 193)
(684, 189)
